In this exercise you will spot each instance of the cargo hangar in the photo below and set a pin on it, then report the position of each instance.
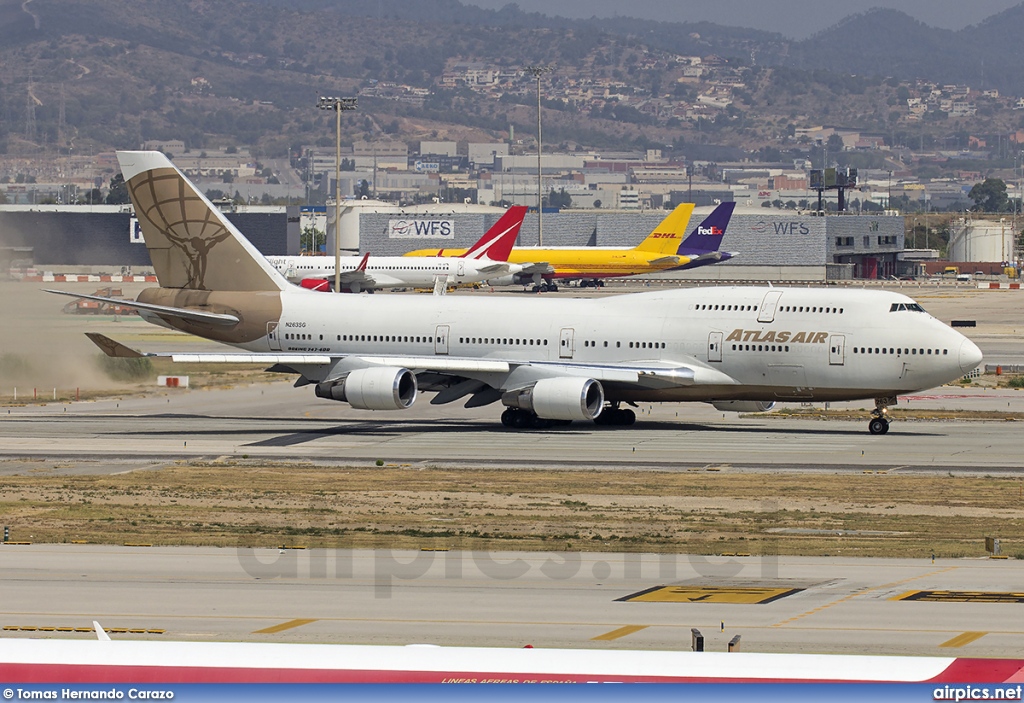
(771, 244)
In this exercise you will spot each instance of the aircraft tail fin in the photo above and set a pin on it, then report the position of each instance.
(192, 244)
(497, 242)
(666, 236)
(707, 236)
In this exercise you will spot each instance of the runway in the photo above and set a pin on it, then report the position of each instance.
(830, 605)
(276, 421)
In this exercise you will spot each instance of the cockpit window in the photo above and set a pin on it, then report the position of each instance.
(912, 307)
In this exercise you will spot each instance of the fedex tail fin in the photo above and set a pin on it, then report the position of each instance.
(192, 244)
(707, 236)
(666, 236)
(497, 242)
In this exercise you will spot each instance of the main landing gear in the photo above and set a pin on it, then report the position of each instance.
(518, 419)
(616, 416)
(879, 423)
(547, 287)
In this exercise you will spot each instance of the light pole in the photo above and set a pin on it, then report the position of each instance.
(538, 72)
(339, 105)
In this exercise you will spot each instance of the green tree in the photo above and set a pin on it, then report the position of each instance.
(310, 238)
(118, 192)
(989, 196)
(561, 199)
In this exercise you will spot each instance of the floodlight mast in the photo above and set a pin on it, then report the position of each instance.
(538, 72)
(339, 105)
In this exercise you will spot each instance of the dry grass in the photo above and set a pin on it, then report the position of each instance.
(242, 503)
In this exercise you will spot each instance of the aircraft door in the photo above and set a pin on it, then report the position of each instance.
(441, 340)
(566, 342)
(837, 350)
(715, 346)
(272, 336)
(461, 271)
(768, 305)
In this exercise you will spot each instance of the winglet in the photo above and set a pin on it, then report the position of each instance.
(362, 264)
(497, 242)
(101, 634)
(113, 348)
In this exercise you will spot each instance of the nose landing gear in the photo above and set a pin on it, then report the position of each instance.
(879, 423)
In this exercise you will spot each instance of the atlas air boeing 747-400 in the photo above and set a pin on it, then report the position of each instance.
(545, 360)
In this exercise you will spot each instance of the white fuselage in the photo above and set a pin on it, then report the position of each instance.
(392, 271)
(749, 343)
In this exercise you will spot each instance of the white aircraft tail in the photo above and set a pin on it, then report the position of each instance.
(192, 244)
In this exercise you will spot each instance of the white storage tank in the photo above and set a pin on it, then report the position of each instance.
(981, 240)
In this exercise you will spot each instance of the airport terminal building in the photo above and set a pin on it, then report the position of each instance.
(772, 244)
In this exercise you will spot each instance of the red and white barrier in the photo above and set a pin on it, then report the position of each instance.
(992, 285)
(88, 278)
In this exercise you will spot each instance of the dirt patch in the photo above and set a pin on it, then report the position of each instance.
(244, 504)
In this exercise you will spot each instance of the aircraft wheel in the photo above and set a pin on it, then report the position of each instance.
(537, 289)
(507, 417)
(522, 419)
(878, 426)
(553, 288)
(599, 284)
(627, 417)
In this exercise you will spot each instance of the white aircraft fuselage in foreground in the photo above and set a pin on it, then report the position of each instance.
(547, 360)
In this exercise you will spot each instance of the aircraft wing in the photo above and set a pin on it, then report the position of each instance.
(212, 318)
(498, 268)
(499, 374)
(538, 267)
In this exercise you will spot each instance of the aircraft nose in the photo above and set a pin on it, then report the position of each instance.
(970, 356)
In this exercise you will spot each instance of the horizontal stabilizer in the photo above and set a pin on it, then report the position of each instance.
(665, 261)
(211, 318)
(111, 347)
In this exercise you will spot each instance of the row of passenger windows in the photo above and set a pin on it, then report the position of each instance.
(726, 307)
(760, 347)
(783, 308)
(632, 345)
(506, 341)
(382, 338)
(899, 351)
(810, 308)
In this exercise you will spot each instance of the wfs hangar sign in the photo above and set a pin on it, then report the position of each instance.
(421, 229)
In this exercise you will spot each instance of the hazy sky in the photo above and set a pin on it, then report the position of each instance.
(797, 19)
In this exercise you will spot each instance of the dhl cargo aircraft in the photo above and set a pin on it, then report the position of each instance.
(546, 360)
(663, 249)
(485, 259)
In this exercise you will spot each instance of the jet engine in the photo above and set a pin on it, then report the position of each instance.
(567, 398)
(508, 280)
(744, 406)
(375, 388)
